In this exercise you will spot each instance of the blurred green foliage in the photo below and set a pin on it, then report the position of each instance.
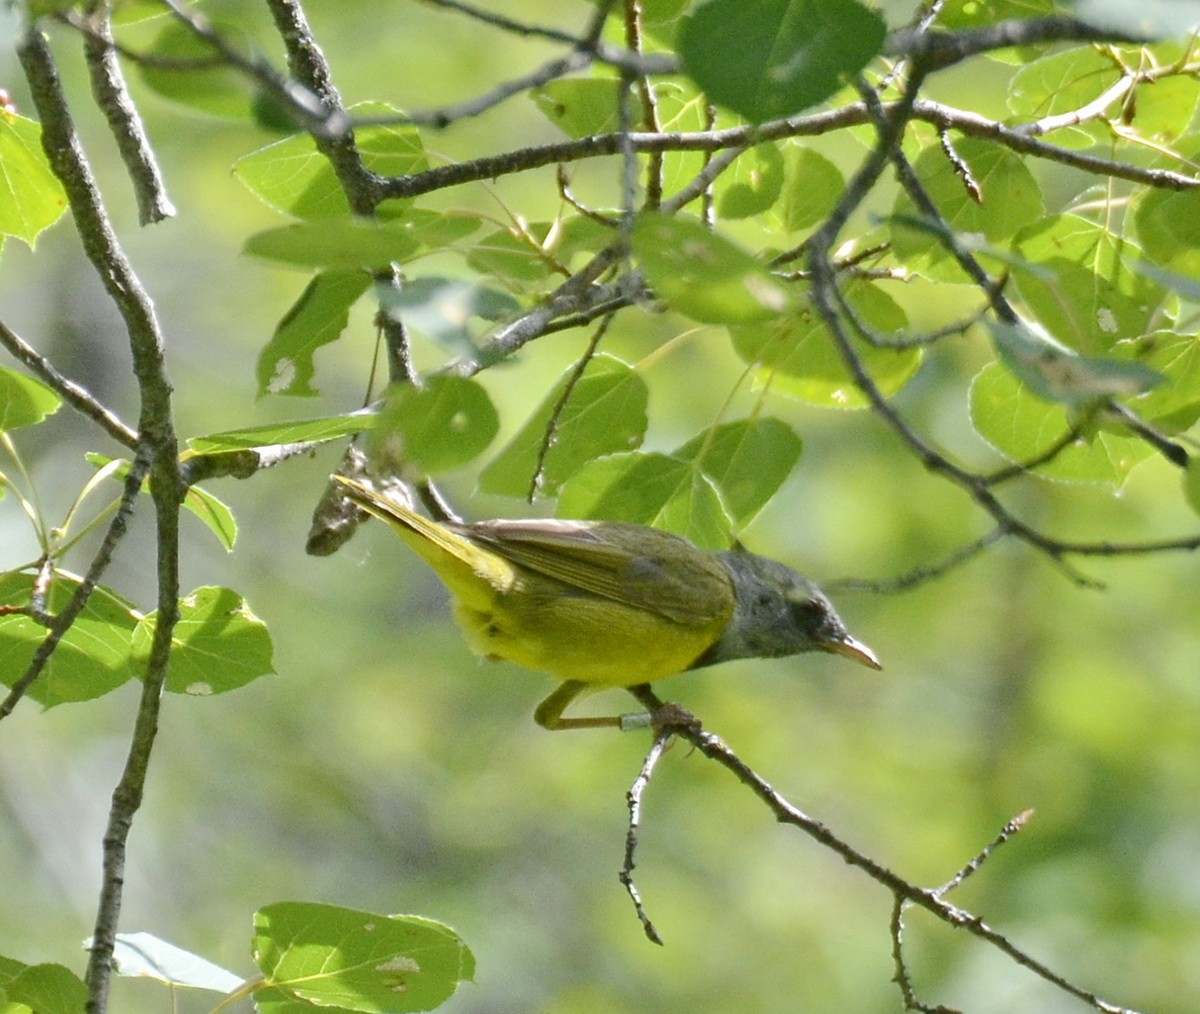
(384, 768)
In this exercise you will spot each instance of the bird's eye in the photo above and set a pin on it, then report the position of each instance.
(808, 612)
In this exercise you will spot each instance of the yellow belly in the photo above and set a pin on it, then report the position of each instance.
(583, 637)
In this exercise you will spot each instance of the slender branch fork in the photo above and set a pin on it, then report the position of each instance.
(671, 720)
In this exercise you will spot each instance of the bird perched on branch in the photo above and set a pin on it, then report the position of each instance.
(604, 604)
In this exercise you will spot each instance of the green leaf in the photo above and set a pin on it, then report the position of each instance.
(127, 12)
(94, 656)
(297, 431)
(24, 401)
(31, 198)
(978, 13)
(1054, 372)
(773, 58)
(748, 461)
(1022, 426)
(683, 108)
(512, 258)
(442, 308)
(217, 89)
(1162, 111)
(580, 107)
(753, 184)
(292, 176)
(1083, 288)
(801, 360)
(444, 424)
(362, 961)
(1011, 199)
(218, 644)
(525, 259)
(648, 489)
(318, 317)
(1168, 222)
(605, 413)
(813, 188)
(704, 275)
(1061, 82)
(144, 955)
(1174, 406)
(47, 989)
(437, 229)
(215, 514)
(335, 243)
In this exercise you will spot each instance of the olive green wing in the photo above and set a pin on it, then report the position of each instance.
(635, 565)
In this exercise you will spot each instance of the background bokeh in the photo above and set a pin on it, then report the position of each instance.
(387, 769)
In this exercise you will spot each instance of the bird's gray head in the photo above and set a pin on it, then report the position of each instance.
(779, 612)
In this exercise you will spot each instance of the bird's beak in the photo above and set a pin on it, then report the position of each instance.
(854, 650)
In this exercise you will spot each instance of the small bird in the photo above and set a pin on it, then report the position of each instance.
(604, 604)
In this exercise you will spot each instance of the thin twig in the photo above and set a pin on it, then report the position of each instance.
(61, 623)
(556, 412)
(72, 393)
(715, 749)
(112, 96)
(157, 447)
(322, 118)
(634, 799)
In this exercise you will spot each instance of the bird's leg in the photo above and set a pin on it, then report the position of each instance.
(662, 714)
(549, 714)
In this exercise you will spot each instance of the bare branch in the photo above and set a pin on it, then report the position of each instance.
(72, 393)
(715, 749)
(61, 623)
(113, 98)
(939, 50)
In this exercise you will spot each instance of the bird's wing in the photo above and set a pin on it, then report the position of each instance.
(631, 564)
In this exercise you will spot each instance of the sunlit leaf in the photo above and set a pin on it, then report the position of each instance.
(1083, 288)
(94, 656)
(773, 58)
(753, 184)
(296, 431)
(31, 198)
(335, 243)
(318, 317)
(605, 413)
(443, 424)
(1022, 426)
(747, 460)
(580, 107)
(704, 275)
(214, 513)
(292, 176)
(801, 359)
(814, 186)
(47, 989)
(339, 957)
(649, 489)
(1168, 223)
(1010, 200)
(217, 645)
(24, 401)
(1061, 82)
